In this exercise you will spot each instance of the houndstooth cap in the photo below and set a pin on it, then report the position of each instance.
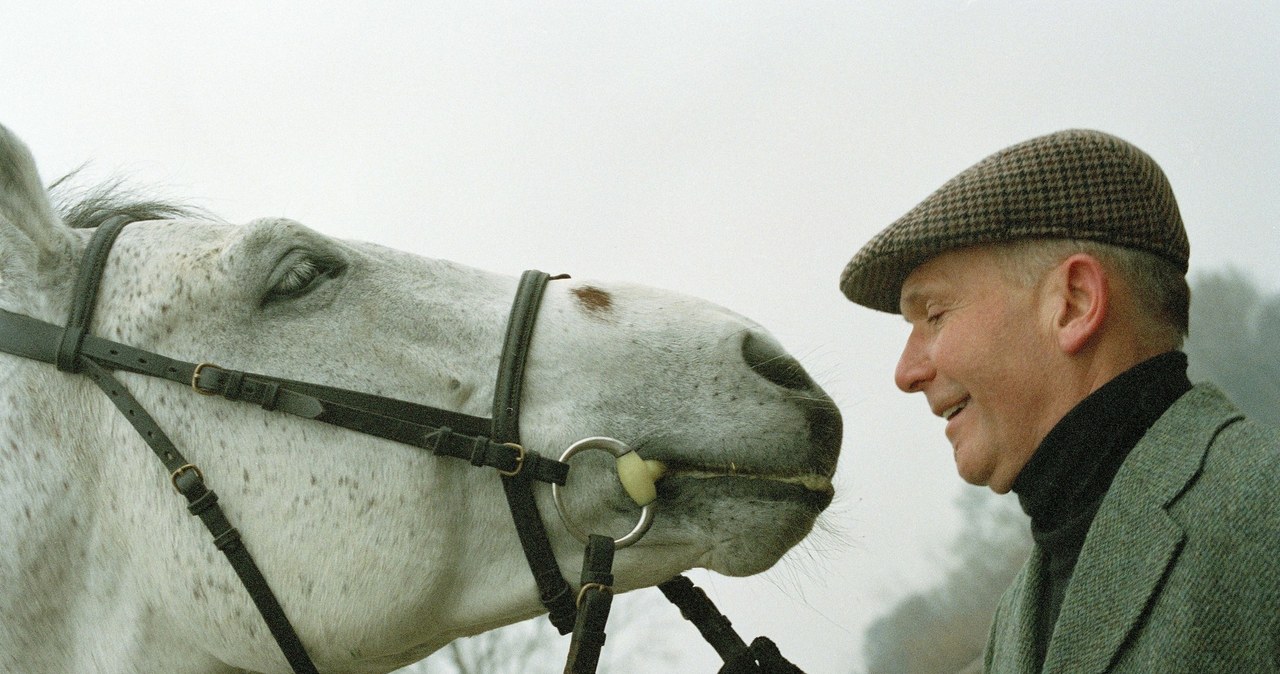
(1075, 184)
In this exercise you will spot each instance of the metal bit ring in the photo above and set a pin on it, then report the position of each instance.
(616, 448)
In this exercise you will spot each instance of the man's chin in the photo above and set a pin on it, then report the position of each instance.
(978, 474)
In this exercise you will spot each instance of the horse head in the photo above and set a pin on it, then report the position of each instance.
(379, 551)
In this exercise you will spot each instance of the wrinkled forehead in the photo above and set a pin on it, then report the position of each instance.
(948, 276)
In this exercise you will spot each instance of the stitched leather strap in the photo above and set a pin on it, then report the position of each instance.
(770, 659)
(84, 296)
(698, 609)
(553, 589)
(595, 598)
(439, 431)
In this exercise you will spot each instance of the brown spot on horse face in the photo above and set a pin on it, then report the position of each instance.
(593, 299)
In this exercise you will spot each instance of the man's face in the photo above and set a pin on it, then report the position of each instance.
(982, 351)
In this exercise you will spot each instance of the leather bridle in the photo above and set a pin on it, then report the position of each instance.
(493, 443)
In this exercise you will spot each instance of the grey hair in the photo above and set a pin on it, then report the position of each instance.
(1158, 285)
(82, 208)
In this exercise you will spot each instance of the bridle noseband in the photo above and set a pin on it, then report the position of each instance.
(493, 443)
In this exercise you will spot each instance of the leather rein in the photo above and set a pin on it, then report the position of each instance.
(493, 443)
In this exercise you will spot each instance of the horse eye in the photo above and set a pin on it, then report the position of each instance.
(299, 273)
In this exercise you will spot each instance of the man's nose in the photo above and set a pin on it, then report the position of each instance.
(914, 367)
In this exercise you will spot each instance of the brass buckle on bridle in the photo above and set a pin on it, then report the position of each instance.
(195, 379)
(173, 478)
(520, 452)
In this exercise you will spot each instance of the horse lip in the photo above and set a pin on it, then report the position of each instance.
(810, 481)
(680, 486)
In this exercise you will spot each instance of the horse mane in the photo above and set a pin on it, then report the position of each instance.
(87, 208)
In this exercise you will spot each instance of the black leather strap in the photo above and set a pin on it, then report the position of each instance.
(429, 428)
(698, 609)
(761, 657)
(515, 353)
(439, 431)
(203, 503)
(186, 478)
(553, 589)
(84, 296)
(769, 659)
(595, 598)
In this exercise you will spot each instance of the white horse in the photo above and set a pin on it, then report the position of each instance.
(379, 552)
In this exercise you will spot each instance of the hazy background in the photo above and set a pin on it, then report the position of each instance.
(741, 151)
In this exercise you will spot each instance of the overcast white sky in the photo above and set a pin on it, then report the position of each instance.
(740, 151)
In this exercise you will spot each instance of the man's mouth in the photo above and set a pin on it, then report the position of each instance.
(952, 411)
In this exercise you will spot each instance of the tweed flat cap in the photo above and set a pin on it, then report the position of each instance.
(1075, 184)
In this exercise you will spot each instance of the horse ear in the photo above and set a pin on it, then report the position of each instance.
(32, 237)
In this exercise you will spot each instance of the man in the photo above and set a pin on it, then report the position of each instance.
(1046, 295)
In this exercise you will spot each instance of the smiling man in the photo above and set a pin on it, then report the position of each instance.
(1047, 301)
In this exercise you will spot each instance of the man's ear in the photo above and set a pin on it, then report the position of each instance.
(1082, 302)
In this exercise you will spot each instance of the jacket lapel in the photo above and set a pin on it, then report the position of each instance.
(1013, 651)
(1133, 540)
(1120, 566)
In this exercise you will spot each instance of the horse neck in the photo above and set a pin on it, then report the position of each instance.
(72, 601)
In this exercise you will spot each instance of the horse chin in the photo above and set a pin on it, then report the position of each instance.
(753, 520)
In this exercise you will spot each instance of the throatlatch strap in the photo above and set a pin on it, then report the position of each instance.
(553, 589)
(203, 503)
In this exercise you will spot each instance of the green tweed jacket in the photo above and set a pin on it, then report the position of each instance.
(1180, 571)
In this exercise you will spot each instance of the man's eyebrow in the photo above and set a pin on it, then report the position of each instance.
(911, 299)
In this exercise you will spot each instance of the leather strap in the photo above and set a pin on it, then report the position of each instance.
(515, 352)
(761, 657)
(203, 503)
(440, 431)
(84, 296)
(186, 478)
(698, 609)
(595, 598)
(770, 659)
(553, 589)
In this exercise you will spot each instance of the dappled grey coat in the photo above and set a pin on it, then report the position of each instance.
(1180, 571)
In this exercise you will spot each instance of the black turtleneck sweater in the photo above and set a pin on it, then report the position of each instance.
(1063, 483)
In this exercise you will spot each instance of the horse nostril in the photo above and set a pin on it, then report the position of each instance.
(767, 358)
(826, 427)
